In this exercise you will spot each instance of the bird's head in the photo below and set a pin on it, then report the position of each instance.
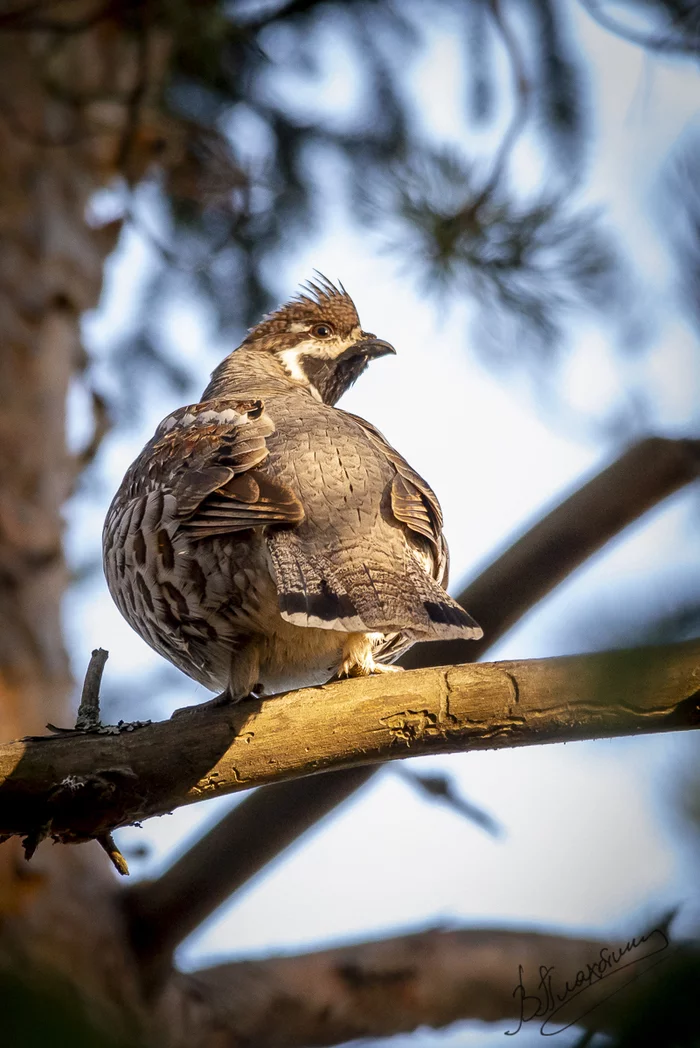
(318, 340)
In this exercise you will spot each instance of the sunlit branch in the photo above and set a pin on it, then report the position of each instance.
(76, 786)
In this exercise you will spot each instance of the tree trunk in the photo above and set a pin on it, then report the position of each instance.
(50, 272)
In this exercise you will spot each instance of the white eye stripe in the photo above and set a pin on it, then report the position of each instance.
(321, 349)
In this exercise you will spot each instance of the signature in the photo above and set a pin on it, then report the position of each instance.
(550, 995)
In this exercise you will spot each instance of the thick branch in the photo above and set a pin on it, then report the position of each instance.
(80, 786)
(377, 989)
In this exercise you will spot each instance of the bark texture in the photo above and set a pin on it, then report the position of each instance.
(83, 785)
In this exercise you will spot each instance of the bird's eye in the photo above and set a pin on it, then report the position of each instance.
(322, 331)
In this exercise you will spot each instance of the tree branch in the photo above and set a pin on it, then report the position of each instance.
(163, 912)
(80, 786)
(377, 989)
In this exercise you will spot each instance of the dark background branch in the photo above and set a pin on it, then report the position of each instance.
(431, 978)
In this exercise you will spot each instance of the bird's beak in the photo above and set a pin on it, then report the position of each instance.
(372, 347)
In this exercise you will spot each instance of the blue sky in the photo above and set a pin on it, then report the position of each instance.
(589, 845)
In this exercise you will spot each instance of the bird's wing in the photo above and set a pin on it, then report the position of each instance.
(207, 456)
(413, 503)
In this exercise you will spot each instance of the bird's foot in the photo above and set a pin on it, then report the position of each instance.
(224, 699)
(358, 657)
(363, 671)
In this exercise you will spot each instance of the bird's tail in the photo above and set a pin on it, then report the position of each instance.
(316, 592)
(437, 615)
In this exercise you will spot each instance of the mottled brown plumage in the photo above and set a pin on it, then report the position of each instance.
(265, 539)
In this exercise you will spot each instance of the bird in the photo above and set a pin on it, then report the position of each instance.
(266, 540)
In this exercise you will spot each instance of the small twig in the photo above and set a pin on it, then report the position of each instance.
(89, 710)
(102, 424)
(440, 787)
(522, 100)
(32, 841)
(115, 856)
(517, 121)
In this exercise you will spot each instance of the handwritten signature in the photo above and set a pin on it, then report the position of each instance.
(550, 996)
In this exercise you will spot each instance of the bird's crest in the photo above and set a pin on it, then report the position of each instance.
(317, 300)
(322, 292)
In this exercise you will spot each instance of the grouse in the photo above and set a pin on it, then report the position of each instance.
(266, 540)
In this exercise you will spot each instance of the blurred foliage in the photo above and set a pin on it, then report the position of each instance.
(236, 166)
(477, 234)
(528, 265)
(244, 126)
(252, 144)
(247, 83)
(241, 184)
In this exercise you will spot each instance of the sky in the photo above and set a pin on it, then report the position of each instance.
(591, 843)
